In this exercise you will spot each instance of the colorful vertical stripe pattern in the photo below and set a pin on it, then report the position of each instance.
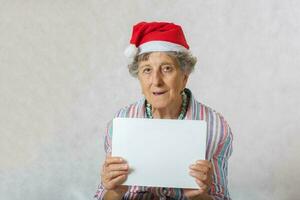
(219, 149)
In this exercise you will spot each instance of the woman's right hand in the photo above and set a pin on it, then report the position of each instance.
(114, 172)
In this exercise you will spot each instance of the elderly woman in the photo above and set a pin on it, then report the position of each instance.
(162, 63)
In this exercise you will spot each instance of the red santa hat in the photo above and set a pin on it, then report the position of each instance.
(156, 36)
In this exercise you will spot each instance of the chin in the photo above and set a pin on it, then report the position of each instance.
(159, 105)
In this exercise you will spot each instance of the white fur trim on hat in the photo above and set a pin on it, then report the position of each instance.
(131, 51)
(160, 46)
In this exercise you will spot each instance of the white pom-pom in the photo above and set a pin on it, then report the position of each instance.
(131, 51)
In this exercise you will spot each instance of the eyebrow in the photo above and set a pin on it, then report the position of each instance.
(163, 63)
(166, 63)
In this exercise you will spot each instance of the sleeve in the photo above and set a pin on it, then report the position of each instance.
(107, 147)
(219, 189)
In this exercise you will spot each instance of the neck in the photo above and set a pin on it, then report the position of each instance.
(171, 112)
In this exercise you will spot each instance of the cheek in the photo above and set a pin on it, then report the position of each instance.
(178, 84)
(144, 86)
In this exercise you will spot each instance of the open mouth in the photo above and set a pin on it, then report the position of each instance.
(158, 93)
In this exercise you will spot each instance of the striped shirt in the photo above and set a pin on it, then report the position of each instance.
(218, 151)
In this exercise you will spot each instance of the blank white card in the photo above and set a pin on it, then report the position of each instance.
(159, 151)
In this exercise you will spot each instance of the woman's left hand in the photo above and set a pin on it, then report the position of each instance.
(201, 171)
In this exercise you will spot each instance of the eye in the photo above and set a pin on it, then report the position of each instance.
(146, 70)
(167, 68)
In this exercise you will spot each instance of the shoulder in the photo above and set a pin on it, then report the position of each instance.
(133, 110)
(200, 111)
(214, 119)
(211, 115)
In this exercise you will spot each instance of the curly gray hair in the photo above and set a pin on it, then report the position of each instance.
(185, 60)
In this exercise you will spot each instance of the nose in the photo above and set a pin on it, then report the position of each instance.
(157, 79)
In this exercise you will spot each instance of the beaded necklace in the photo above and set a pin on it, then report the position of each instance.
(183, 107)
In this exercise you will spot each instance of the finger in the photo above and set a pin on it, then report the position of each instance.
(113, 174)
(202, 185)
(113, 160)
(119, 180)
(200, 168)
(199, 175)
(204, 163)
(118, 167)
(207, 180)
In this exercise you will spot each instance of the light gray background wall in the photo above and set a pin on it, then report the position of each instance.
(63, 76)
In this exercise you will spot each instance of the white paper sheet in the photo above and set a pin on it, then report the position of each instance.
(159, 151)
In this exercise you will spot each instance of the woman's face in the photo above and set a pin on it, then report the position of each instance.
(161, 80)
